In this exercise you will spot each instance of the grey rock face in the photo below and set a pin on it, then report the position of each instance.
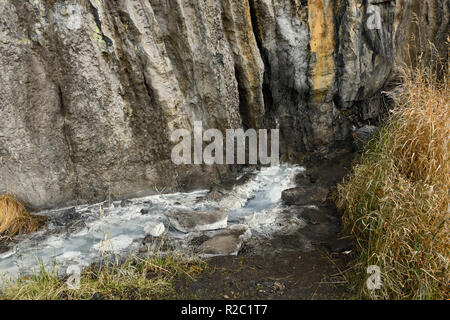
(90, 91)
(190, 221)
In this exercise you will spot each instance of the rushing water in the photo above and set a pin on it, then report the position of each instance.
(257, 203)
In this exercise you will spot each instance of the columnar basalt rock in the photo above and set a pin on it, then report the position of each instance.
(91, 90)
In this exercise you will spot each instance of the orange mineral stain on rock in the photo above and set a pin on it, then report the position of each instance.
(322, 43)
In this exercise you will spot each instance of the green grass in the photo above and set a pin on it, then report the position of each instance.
(135, 279)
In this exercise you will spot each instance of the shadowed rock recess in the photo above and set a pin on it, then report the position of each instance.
(90, 91)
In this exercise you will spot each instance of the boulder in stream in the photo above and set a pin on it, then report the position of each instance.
(191, 221)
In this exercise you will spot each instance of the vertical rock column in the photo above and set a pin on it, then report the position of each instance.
(322, 70)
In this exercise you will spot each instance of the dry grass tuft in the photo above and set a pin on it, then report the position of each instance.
(15, 219)
(396, 201)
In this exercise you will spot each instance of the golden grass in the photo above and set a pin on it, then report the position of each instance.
(15, 219)
(135, 279)
(396, 200)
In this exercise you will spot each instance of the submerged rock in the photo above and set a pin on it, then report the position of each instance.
(156, 244)
(76, 226)
(225, 242)
(304, 195)
(190, 221)
(116, 244)
(5, 252)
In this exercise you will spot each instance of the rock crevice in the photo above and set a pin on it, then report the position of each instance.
(90, 91)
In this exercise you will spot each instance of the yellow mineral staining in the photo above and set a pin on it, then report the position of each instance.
(322, 42)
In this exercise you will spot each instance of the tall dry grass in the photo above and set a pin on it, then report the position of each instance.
(15, 219)
(396, 200)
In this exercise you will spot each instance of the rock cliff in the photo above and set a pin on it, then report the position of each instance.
(90, 90)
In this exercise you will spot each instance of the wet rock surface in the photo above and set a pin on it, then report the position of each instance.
(278, 274)
(90, 91)
(225, 242)
(65, 217)
(4, 247)
(363, 135)
(304, 195)
(155, 229)
(190, 221)
(294, 252)
(86, 234)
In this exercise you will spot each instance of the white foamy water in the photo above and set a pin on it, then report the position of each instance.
(119, 230)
